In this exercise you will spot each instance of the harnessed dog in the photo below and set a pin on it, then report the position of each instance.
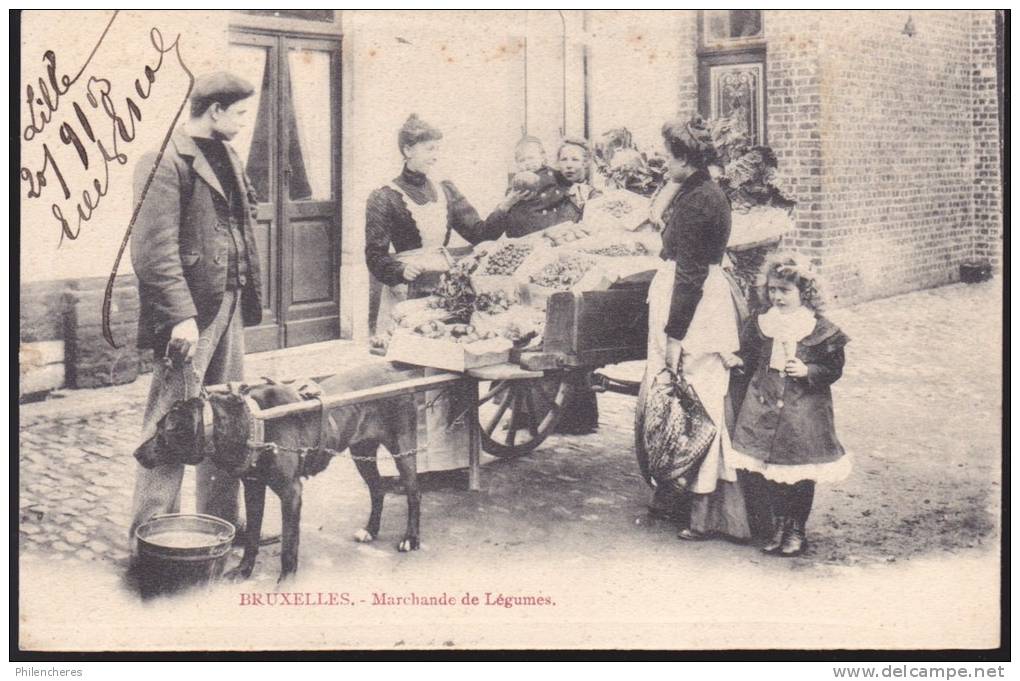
(220, 426)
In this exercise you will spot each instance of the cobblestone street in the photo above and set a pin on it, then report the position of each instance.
(919, 407)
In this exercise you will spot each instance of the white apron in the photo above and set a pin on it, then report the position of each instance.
(446, 448)
(713, 330)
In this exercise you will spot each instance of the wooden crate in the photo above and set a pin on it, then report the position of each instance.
(595, 328)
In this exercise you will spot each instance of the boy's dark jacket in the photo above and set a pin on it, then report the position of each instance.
(785, 420)
(180, 242)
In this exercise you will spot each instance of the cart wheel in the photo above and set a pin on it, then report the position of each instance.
(516, 415)
(639, 441)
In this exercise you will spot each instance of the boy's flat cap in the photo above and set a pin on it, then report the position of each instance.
(221, 84)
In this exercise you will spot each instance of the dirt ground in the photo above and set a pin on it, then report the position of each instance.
(904, 553)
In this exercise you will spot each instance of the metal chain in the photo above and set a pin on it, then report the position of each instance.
(276, 449)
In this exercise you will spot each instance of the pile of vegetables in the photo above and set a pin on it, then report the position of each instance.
(507, 258)
(618, 208)
(563, 273)
(746, 173)
(458, 333)
(493, 302)
(566, 233)
(618, 250)
(455, 293)
(624, 166)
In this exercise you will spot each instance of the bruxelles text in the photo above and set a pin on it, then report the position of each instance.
(382, 598)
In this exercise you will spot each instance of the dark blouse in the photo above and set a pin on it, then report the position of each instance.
(549, 205)
(388, 221)
(697, 229)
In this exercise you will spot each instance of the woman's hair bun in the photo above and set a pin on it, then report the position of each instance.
(415, 130)
(690, 139)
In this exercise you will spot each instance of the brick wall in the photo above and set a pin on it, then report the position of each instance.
(985, 111)
(889, 143)
(687, 55)
(897, 150)
(41, 343)
(793, 126)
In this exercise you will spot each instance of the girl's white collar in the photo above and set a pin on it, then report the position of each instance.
(791, 326)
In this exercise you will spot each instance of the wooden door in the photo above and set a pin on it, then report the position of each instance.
(291, 152)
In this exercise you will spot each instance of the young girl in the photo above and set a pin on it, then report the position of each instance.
(785, 429)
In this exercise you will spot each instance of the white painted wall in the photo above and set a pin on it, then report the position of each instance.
(634, 72)
(482, 77)
(461, 71)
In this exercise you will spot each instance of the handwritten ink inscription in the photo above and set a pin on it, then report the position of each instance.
(97, 125)
(96, 119)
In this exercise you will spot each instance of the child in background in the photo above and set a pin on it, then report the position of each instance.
(529, 155)
(785, 428)
(536, 197)
(532, 174)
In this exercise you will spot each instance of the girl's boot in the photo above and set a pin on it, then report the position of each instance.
(773, 545)
(795, 539)
(778, 501)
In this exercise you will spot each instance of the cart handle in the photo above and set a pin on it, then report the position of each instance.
(414, 385)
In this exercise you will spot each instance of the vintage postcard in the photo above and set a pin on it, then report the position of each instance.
(524, 329)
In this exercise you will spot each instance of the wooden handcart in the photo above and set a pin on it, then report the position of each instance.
(520, 402)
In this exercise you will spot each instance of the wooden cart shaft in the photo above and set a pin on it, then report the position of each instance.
(410, 386)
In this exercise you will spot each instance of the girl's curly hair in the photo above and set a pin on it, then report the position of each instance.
(796, 269)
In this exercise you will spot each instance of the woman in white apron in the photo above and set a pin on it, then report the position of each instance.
(409, 215)
(691, 311)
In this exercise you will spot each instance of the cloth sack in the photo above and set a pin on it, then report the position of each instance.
(678, 431)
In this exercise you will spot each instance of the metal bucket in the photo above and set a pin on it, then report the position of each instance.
(178, 550)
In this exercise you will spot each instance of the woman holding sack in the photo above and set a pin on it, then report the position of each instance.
(413, 212)
(693, 322)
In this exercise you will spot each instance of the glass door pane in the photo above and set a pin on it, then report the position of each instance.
(310, 152)
(254, 142)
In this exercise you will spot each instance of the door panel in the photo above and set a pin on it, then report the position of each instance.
(313, 266)
(291, 154)
(311, 185)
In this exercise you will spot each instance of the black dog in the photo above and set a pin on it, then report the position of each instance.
(218, 426)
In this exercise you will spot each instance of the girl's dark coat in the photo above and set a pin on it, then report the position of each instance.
(784, 420)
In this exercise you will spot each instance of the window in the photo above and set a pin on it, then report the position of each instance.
(737, 92)
(327, 15)
(725, 26)
(731, 69)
